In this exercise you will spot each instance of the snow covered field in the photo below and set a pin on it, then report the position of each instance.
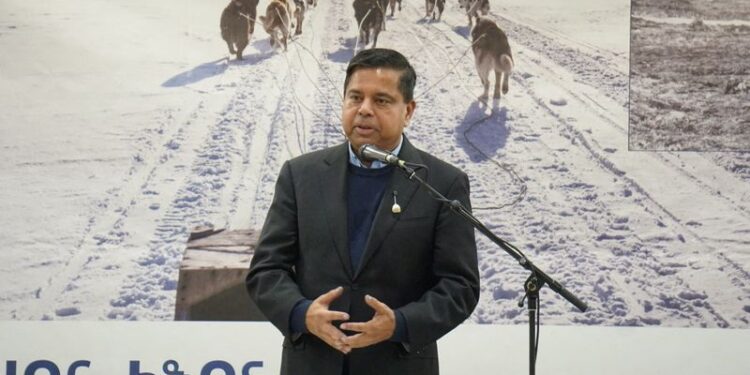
(122, 126)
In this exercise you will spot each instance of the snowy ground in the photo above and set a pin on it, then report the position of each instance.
(123, 126)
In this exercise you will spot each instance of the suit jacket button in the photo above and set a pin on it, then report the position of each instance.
(355, 287)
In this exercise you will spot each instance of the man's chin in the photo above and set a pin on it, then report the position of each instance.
(358, 142)
(356, 146)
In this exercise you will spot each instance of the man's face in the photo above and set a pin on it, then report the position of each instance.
(374, 110)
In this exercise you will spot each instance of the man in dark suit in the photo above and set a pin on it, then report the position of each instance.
(360, 269)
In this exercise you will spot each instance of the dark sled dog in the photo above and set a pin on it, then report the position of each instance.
(369, 20)
(491, 53)
(392, 4)
(276, 23)
(474, 7)
(430, 8)
(237, 25)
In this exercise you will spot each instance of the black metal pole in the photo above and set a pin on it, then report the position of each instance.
(532, 294)
(532, 335)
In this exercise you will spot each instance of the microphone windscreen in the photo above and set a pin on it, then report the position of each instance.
(361, 151)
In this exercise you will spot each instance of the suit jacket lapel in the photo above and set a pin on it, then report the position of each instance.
(384, 218)
(334, 194)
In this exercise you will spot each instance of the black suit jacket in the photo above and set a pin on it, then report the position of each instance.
(422, 262)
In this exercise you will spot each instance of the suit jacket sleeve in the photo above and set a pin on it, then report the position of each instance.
(456, 292)
(271, 282)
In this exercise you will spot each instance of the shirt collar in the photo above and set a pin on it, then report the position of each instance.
(376, 164)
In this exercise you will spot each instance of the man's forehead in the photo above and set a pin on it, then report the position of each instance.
(379, 72)
(381, 75)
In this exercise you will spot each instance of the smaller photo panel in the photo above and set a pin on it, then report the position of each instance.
(690, 75)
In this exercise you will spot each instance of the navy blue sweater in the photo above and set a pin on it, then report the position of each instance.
(365, 190)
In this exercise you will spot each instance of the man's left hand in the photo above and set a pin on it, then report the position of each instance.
(378, 329)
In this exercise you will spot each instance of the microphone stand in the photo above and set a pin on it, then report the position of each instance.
(537, 279)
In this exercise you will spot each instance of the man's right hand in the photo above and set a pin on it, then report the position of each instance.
(318, 320)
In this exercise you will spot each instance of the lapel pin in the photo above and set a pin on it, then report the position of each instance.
(396, 209)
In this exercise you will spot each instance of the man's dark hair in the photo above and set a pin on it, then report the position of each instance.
(385, 58)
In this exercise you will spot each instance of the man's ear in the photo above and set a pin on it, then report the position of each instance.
(410, 107)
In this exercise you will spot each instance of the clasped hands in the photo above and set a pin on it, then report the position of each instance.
(319, 318)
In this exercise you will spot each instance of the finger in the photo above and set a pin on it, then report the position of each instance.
(331, 315)
(359, 340)
(339, 345)
(332, 334)
(355, 327)
(330, 296)
(377, 305)
(336, 339)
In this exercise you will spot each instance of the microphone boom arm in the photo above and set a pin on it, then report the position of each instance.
(532, 285)
(459, 208)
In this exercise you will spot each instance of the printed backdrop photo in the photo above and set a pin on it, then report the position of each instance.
(125, 125)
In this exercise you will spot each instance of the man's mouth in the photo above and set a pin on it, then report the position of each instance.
(363, 129)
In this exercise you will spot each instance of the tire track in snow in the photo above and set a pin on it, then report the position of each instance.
(106, 232)
(211, 178)
(307, 96)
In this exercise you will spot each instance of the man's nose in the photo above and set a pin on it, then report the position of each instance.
(365, 109)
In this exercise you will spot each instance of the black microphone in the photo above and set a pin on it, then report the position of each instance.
(372, 153)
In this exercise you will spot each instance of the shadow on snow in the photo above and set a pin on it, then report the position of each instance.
(481, 135)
